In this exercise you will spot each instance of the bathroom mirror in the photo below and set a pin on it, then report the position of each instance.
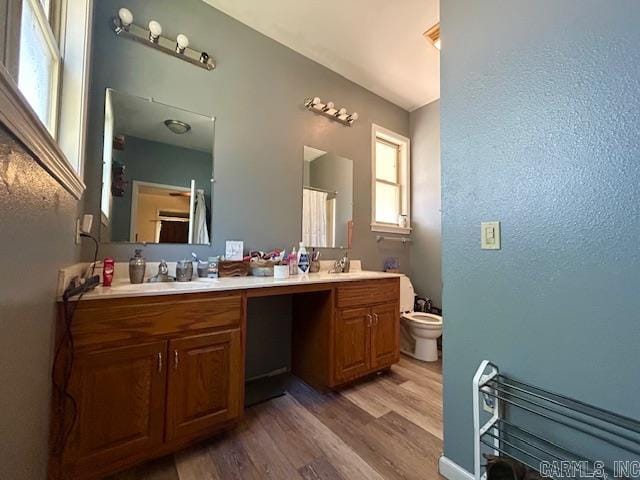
(157, 172)
(327, 199)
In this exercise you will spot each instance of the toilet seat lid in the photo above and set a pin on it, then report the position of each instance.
(424, 318)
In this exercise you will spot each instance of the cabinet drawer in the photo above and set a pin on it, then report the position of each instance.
(367, 293)
(100, 321)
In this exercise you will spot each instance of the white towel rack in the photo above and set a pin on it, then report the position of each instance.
(561, 425)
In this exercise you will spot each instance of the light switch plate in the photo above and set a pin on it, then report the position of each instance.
(490, 235)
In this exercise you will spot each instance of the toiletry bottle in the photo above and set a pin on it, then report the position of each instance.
(303, 260)
(108, 266)
(137, 267)
(213, 267)
(293, 262)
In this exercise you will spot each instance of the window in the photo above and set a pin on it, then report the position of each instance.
(39, 62)
(390, 182)
(54, 89)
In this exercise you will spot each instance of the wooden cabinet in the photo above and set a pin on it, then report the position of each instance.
(385, 333)
(205, 382)
(120, 397)
(352, 343)
(365, 340)
(150, 375)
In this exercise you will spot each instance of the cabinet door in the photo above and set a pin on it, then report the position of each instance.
(120, 395)
(206, 379)
(352, 343)
(385, 347)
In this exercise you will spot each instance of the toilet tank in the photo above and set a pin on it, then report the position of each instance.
(407, 294)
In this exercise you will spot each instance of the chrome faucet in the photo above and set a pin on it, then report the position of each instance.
(342, 265)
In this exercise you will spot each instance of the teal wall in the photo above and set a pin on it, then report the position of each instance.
(540, 114)
(37, 217)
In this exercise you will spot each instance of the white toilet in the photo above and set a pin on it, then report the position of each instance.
(419, 332)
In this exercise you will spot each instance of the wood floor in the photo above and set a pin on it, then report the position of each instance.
(389, 427)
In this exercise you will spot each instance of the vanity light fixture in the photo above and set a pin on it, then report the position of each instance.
(123, 26)
(329, 110)
(177, 127)
(182, 42)
(126, 18)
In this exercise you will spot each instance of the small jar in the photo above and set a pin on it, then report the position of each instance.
(213, 267)
(184, 271)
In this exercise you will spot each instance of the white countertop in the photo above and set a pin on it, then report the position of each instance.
(124, 289)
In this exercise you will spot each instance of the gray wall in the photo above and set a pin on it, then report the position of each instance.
(426, 272)
(38, 221)
(540, 126)
(157, 162)
(256, 94)
(334, 173)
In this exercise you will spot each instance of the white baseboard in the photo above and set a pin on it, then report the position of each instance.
(452, 471)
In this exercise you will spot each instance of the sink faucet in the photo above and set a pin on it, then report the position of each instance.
(342, 265)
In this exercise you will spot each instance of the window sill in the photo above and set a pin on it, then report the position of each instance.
(382, 228)
(20, 119)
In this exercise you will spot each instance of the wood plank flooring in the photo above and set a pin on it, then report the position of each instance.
(388, 427)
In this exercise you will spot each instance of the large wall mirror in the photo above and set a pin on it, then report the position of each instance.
(157, 172)
(327, 199)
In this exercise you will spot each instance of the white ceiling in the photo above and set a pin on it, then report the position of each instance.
(377, 44)
(144, 118)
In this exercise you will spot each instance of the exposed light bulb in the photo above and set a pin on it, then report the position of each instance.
(126, 17)
(316, 101)
(182, 42)
(155, 30)
(354, 116)
(328, 106)
(342, 111)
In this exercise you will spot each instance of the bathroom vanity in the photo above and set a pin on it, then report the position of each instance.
(159, 366)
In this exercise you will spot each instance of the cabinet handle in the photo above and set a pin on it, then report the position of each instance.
(175, 359)
(370, 320)
(375, 317)
(159, 362)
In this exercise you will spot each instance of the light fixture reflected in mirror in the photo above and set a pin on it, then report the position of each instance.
(177, 127)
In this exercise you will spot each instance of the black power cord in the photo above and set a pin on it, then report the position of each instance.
(66, 344)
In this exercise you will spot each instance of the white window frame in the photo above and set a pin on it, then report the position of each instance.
(47, 28)
(19, 117)
(404, 178)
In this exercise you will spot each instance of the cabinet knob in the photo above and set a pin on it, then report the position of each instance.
(176, 359)
(370, 320)
(159, 362)
(375, 317)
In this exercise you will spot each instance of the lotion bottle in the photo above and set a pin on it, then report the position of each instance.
(303, 260)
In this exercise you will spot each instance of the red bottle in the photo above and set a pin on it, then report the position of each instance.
(107, 271)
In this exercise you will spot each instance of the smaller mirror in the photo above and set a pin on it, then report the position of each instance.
(327, 199)
(157, 172)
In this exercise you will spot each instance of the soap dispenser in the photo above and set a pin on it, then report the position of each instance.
(137, 267)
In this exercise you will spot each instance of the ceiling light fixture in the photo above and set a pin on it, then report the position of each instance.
(433, 35)
(177, 127)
